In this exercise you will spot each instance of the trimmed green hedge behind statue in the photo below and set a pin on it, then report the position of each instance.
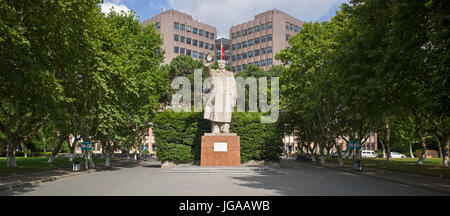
(178, 136)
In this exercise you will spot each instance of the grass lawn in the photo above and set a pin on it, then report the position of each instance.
(37, 163)
(432, 166)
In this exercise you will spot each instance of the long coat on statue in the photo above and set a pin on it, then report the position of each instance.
(221, 101)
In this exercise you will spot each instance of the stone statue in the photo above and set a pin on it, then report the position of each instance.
(221, 101)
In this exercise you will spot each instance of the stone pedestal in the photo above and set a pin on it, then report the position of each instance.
(220, 150)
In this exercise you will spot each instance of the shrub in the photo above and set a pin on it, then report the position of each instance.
(178, 136)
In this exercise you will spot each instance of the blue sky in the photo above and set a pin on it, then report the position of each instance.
(225, 13)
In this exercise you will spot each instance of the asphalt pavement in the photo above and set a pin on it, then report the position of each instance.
(148, 179)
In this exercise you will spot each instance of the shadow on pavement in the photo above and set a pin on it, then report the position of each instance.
(26, 182)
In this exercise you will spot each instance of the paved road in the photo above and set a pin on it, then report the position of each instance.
(149, 179)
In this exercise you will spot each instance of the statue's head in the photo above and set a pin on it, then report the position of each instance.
(222, 64)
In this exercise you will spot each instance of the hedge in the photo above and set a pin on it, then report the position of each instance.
(178, 136)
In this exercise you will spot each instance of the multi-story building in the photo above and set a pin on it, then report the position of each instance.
(257, 41)
(183, 35)
(226, 43)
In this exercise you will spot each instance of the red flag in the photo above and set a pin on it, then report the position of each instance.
(223, 53)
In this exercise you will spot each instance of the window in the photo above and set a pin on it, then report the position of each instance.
(269, 37)
(291, 27)
(233, 47)
(233, 35)
(200, 32)
(257, 52)
(297, 29)
(250, 30)
(263, 39)
(158, 24)
(233, 58)
(239, 33)
(287, 25)
(244, 66)
(176, 25)
(269, 61)
(211, 35)
(239, 68)
(263, 51)
(244, 44)
(257, 40)
(239, 56)
(194, 54)
(239, 45)
(250, 54)
(194, 42)
(250, 42)
(263, 26)
(182, 39)
(188, 29)
(257, 28)
(287, 37)
(257, 63)
(244, 55)
(206, 34)
(188, 52)
(234, 68)
(200, 44)
(176, 37)
(269, 25)
(195, 31)
(182, 51)
(269, 49)
(206, 45)
(176, 49)
(244, 32)
(263, 62)
(201, 55)
(182, 27)
(188, 40)
(212, 47)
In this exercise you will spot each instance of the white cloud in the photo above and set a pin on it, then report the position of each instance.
(115, 5)
(225, 13)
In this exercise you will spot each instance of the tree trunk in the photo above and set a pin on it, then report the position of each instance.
(410, 150)
(384, 148)
(11, 153)
(322, 154)
(439, 147)
(313, 153)
(128, 154)
(339, 153)
(446, 151)
(387, 139)
(107, 157)
(56, 150)
(25, 151)
(424, 150)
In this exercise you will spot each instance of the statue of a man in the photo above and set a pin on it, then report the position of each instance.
(221, 101)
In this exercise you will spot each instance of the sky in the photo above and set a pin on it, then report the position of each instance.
(223, 14)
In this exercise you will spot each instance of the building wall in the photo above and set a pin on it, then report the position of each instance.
(164, 22)
(272, 24)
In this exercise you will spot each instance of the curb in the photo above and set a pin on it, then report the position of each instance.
(389, 179)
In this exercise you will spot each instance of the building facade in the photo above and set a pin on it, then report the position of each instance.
(183, 35)
(257, 41)
(226, 43)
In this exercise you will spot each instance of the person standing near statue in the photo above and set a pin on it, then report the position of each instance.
(221, 100)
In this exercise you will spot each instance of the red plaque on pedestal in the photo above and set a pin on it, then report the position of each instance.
(220, 150)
